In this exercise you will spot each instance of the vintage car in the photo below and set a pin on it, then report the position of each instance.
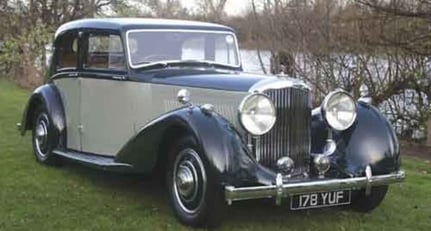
(170, 97)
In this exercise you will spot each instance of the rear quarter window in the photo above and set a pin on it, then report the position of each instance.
(105, 52)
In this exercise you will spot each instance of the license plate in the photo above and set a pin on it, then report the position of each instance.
(319, 200)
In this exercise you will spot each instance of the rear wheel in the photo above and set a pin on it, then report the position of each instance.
(366, 203)
(195, 196)
(42, 137)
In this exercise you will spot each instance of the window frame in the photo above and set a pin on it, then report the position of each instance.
(85, 53)
(54, 69)
(133, 66)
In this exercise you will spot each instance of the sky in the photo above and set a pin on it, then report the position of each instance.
(233, 7)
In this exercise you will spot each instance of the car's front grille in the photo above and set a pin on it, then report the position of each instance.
(290, 135)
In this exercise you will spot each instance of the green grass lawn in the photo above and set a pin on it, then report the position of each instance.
(35, 197)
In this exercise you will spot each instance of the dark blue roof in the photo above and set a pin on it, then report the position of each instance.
(123, 24)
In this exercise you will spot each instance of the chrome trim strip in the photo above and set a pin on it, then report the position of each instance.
(279, 184)
(129, 60)
(244, 193)
(369, 176)
(276, 83)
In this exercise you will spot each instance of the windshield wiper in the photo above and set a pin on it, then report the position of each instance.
(192, 62)
(150, 65)
(189, 62)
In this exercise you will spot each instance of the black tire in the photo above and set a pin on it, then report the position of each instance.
(367, 203)
(43, 138)
(200, 203)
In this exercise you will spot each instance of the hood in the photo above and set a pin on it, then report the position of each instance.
(211, 79)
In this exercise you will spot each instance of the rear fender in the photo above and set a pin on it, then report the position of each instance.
(49, 96)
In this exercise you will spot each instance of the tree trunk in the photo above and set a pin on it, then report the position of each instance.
(429, 133)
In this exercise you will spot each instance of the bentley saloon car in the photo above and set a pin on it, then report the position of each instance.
(170, 97)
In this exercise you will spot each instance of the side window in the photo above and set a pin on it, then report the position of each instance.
(67, 51)
(105, 52)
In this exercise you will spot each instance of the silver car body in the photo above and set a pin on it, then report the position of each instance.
(102, 115)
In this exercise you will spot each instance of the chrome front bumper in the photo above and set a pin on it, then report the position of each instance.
(280, 189)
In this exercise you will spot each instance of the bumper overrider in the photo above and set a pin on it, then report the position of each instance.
(285, 189)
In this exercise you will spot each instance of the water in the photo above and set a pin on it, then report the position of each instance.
(250, 61)
(407, 102)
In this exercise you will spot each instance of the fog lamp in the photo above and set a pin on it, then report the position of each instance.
(285, 165)
(322, 164)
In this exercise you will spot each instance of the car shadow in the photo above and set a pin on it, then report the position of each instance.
(116, 181)
(242, 213)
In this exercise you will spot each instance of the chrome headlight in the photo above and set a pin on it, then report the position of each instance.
(257, 114)
(339, 110)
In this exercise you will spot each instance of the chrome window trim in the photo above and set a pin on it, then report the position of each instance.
(129, 60)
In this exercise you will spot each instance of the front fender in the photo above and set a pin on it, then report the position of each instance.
(370, 141)
(49, 96)
(225, 151)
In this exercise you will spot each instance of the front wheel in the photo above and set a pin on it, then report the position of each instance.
(366, 203)
(43, 139)
(194, 194)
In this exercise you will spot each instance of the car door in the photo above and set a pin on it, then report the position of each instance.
(106, 98)
(65, 68)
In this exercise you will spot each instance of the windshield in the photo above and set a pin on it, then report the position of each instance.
(148, 46)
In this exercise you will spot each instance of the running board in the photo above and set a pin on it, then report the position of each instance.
(97, 161)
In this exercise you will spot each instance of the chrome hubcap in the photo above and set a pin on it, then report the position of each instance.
(186, 183)
(41, 135)
(189, 180)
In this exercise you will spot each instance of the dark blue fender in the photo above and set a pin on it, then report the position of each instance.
(49, 96)
(370, 141)
(228, 157)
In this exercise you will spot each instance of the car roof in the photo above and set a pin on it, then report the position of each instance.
(123, 24)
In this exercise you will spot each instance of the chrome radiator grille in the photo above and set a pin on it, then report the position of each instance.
(290, 135)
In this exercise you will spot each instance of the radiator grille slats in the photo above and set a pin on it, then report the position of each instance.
(290, 135)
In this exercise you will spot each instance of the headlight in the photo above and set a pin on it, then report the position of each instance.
(257, 114)
(339, 110)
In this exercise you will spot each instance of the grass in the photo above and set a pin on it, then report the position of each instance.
(35, 197)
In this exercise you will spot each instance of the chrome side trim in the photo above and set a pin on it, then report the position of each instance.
(289, 189)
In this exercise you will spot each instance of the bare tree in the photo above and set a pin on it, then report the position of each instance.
(213, 10)
(166, 8)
